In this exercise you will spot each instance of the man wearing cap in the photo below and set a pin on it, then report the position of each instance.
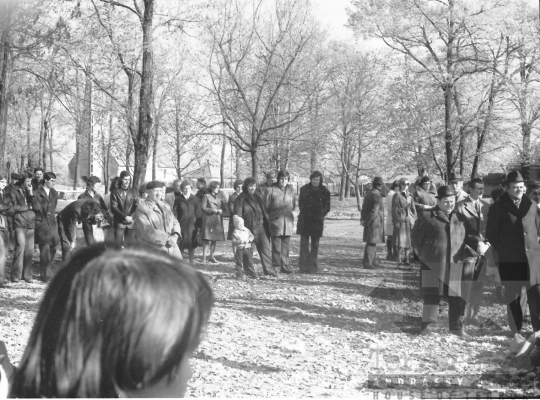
(155, 223)
(372, 219)
(456, 181)
(512, 230)
(445, 241)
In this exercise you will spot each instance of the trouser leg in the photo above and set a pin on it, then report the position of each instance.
(533, 298)
(512, 294)
(430, 311)
(4, 248)
(313, 260)
(65, 244)
(389, 249)
(456, 312)
(18, 255)
(285, 242)
(88, 233)
(369, 255)
(248, 262)
(119, 232)
(276, 252)
(238, 258)
(304, 253)
(28, 254)
(128, 235)
(263, 248)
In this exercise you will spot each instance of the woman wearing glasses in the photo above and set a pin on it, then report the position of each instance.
(403, 217)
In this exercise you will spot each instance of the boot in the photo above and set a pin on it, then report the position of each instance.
(456, 312)
(369, 256)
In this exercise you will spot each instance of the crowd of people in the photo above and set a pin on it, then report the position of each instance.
(459, 240)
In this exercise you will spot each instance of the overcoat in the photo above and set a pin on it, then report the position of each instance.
(478, 221)
(513, 233)
(423, 198)
(155, 223)
(388, 226)
(24, 216)
(44, 207)
(280, 205)
(212, 223)
(403, 217)
(245, 206)
(373, 216)
(123, 207)
(230, 203)
(6, 211)
(444, 244)
(314, 204)
(186, 213)
(170, 199)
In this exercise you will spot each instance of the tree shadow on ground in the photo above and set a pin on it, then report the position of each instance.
(243, 365)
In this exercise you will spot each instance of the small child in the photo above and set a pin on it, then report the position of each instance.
(242, 239)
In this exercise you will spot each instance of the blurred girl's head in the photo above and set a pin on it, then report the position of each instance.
(115, 322)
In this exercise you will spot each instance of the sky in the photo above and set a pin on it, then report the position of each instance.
(333, 16)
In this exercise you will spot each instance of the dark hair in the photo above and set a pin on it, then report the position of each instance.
(315, 174)
(184, 184)
(3, 176)
(402, 181)
(114, 183)
(38, 169)
(212, 185)
(247, 183)
(123, 174)
(176, 180)
(534, 185)
(497, 193)
(423, 180)
(92, 181)
(283, 173)
(113, 320)
(23, 177)
(237, 183)
(394, 185)
(48, 176)
(201, 180)
(15, 176)
(472, 183)
(90, 208)
(270, 174)
(142, 190)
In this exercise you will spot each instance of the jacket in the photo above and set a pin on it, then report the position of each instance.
(98, 199)
(513, 233)
(212, 223)
(314, 205)
(372, 215)
(21, 201)
(44, 208)
(245, 206)
(280, 204)
(423, 198)
(71, 215)
(478, 222)
(185, 211)
(6, 210)
(122, 208)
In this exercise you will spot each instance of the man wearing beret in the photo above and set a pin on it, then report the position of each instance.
(155, 223)
(447, 249)
(512, 230)
(372, 219)
(456, 181)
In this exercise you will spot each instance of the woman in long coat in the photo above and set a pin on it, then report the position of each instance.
(249, 205)
(280, 203)
(392, 253)
(185, 209)
(372, 219)
(403, 217)
(212, 221)
(314, 204)
(232, 198)
(424, 199)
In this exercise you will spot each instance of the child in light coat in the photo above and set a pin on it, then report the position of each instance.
(242, 239)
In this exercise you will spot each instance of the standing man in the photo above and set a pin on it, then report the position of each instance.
(174, 195)
(46, 198)
(475, 209)
(124, 202)
(456, 181)
(22, 198)
(199, 197)
(5, 216)
(93, 185)
(270, 180)
(10, 244)
(155, 223)
(439, 236)
(38, 176)
(372, 219)
(512, 230)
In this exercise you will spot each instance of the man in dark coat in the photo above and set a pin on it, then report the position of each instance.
(512, 229)
(22, 198)
(93, 185)
(202, 190)
(372, 219)
(46, 199)
(124, 202)
(5, 215)
(314, 204)
(38, 177)
(447, 248)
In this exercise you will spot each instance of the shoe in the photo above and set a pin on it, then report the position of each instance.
(370, 267)
(472, 321)
(213, 261)
(15, 280)
(29, 280)
(460, 332)
(427, 331)
(404, 267)
(313, 271)
(284, 271)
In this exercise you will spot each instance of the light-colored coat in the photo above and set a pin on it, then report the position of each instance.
(403, 218)
(373, 217)
(280, 205)
(155, 226)
(389, 226)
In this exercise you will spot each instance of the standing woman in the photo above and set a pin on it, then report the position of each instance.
(280, 203)
(109, 231)
(232, 198)
(185, 210)
(249, 205)
(403, 217)
(212, 221)
(314, 204)
(5, 216)
(391, 251)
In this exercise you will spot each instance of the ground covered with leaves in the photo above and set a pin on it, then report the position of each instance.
(329, 334)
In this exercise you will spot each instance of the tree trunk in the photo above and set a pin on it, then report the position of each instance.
(222, 163)
(5, 46)
(238, 164)
(41, 126)
(146, 98)
(448, 129)
(45, 137)
(28, 137)
(255, 167)
(154, 149)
